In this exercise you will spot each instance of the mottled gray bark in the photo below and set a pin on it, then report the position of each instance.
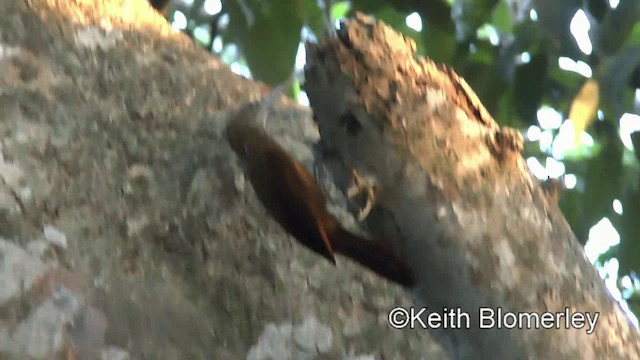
(126, 230)
(455, 195)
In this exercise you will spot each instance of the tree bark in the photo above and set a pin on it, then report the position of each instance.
(126, 229)
(454, 194)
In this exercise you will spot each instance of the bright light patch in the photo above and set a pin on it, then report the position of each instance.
(414, 21)
(230, 53)
(579, 28)
(549, 118)
(555, 168)
(303, 99)
(212, 7)
(546, 140)
(223, 22)
(579, 67)
(533, 15)
(301, 57)
(629, 123)
(609, 272)
(179, 21)
(217, 44)
(308, 35)
(570, 181)
(600, 115)
(617, 206)
(537, 169)
(202, 34)
(488, 32)
(602, 236)
(614, 3)
(523, 58)
(586, 139)
(533, 133)
(565, 141)
(240, 69)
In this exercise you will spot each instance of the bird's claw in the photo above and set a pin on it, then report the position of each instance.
(368, 187)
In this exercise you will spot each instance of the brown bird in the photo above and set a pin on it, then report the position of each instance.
(293, 198)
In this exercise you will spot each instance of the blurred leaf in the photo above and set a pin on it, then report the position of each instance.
(505, 113)
(616, 72)
(484, 54)
(571, 203)
(437, 40)
(394, 18)
(634, 36)
(528, 87)
(635, 139)
(603, 175)
(561, 86)
(486, 82)
(501, 18)
(584, 107)
(268, 34)
(468, 15)
(438, 44)
(314, 17)
(553, 18)
(617, 25)
(434, 13)
(629, 248)
(371, 6)
(340, 9)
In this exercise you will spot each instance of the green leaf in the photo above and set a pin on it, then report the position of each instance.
(486, 83)
(340, 10)
(572, 205)
(635, 140)
(553, 19)
(505, 114)
(435, 14)
(603, 175)
(618, 23)
(471, 14)
(634, 36)
(438, 44)
(314, 17)
(629, 248)
(501, 18)
(561, 86)
(268, 34)
(616, 72)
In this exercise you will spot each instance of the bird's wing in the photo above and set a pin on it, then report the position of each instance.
(301, 201)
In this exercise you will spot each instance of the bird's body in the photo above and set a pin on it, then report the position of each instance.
(293, 198)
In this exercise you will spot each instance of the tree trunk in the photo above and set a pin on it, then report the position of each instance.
(128, 230)
(455, 195)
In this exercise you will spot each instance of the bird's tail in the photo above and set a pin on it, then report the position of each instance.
(374, 255)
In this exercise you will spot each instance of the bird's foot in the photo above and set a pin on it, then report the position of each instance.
(363, 186)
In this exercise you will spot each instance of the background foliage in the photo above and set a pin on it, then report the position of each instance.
(565, 72)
